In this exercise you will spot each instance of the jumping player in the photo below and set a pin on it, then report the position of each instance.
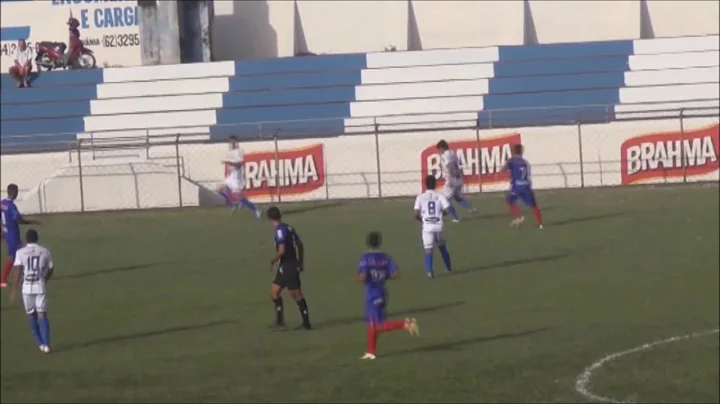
(374, 269)
(520, 187)
(232, 191)
(34, 267)
(290, 253)
(453, 179)
(11, 221)
(430, 207)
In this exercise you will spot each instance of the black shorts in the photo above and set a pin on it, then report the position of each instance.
(288, 276)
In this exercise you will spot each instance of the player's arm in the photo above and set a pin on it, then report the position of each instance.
(362, 271)
(416, 210)
(21, 220)
(300, 247)
(279, 254)
(17, 267)
(393, 269)
(445, 205)
(50, 270)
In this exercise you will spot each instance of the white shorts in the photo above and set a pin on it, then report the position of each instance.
(235, 184)
(453, 191)
(35, 302)
(432, 238)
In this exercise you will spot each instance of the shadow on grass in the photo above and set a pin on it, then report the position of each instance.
(455, 345)
(586, 219)
(511, 263)
(399, 314)
(487, 216)
(310, 208)
(126, 268)
(140, 335)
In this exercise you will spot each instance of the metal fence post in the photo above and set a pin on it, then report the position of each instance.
(80, 176)
(580, 153)
(278, 189)
(377, 156)
(480, 168)
(179, 173)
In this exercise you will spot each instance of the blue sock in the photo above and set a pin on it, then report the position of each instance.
(35, 328)
(45, 330)
(245, 203)
(464, 203)
(453, 212)
(225, 197)
(445, 257)
(429, 262)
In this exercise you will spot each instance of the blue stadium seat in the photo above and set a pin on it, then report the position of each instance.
(45, 110)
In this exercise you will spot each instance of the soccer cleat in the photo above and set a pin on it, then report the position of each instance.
(517, 221)
(3, 285)
(540, 227)
(456, 220)
(306, 326)
(258, 213)
(411, 326)
(44, 349)
(368, 357)
(430, 275)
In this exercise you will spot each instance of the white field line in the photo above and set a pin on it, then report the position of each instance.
(582, 383)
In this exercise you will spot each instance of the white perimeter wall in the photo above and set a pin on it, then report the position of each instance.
(621, 153)
(264, 29)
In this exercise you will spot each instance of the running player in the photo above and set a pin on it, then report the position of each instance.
(290, 253)
(374, 269)
(453, 179)
(430, 207)
(232, 191)
(34, 267)
(11, 221)
(520, 188)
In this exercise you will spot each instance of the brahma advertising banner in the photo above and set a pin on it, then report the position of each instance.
(109, 27)
(368, 166)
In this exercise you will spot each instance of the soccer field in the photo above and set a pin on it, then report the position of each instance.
(173, 306)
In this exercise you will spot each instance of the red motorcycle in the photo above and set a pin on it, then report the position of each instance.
(49, 56)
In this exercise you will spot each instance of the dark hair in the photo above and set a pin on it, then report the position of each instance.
(12, 189)
(518, 149)
(430, 182)
(442, 145)
(31, 236)
(233, 138)
(373, 239)
(274, 213)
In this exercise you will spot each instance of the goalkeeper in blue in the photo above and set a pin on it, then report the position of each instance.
(430, 207)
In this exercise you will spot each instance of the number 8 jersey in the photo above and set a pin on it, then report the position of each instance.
(35, 261)
(432, 206)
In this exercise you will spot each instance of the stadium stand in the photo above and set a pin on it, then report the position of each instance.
(332, 94)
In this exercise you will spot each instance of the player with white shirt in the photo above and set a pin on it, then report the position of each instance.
(34, 266)
(234, 185)
(453, 179)
(430, 207)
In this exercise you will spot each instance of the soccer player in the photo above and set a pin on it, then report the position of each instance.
(34, 267)
(290, 253)
(453, 179)
(232, 191)
(11, 221)
(374, 269)
(430, 207)
(520, 187)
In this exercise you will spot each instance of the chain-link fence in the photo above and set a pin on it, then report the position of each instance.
(375, 160)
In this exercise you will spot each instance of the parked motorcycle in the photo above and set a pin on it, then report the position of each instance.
(49, 56)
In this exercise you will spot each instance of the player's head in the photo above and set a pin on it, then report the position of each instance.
(12, 191)
(442, 146)
(31, 236)
(233, 142)
(430, 182)
(518, 150)
(274, 214)
(374, 240)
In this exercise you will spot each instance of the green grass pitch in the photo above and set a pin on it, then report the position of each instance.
(173, 306)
